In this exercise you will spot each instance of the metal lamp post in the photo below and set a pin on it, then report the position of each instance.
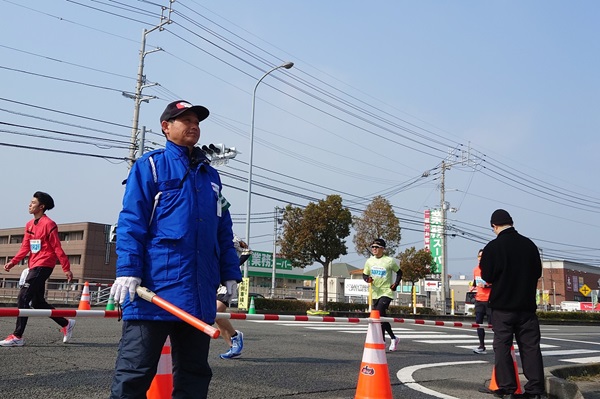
(286, 65)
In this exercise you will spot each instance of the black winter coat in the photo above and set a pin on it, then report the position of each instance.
(511, 264)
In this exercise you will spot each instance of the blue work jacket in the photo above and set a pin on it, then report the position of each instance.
(175, 233)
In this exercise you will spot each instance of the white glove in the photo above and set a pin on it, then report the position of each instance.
(231, 286)
(122, 285)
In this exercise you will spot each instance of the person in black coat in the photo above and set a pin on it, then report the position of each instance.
(511, 264)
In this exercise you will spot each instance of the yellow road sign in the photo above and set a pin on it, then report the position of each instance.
(585, 290)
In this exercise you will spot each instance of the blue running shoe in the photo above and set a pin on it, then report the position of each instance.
(237, 344)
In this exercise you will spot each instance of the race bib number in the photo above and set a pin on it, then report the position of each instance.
(35, 246)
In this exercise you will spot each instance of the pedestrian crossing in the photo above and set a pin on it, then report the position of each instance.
(461, 338)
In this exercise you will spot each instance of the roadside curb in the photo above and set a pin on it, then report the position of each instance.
(558, 387)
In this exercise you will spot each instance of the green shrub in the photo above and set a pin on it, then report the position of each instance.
(567, 316)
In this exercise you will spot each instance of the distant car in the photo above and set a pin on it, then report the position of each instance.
(470, 303)
(234, 302)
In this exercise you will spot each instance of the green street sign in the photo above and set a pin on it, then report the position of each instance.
(265, 260)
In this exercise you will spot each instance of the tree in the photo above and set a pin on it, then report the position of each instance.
(377, 221)
(415, 265)
(316, 234)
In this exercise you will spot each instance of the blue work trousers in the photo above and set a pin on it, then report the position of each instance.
(140, 350)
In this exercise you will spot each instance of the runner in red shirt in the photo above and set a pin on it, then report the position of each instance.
(482, 296)
(42, 244)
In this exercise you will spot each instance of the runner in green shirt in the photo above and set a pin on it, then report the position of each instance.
(378, 272)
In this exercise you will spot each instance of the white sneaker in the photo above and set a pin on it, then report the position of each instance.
(12, 340)
(68, 330)
(480, 351)
(394, 344)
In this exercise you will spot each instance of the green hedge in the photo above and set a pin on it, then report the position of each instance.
(296, 306)
(567, 316)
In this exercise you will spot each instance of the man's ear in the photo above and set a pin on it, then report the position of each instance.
(165, 127)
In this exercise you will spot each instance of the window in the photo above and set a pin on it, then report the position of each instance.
(11, 283)
(16, 239)
(470, 297)
(3, 239)
(75, 259)
(71, 235)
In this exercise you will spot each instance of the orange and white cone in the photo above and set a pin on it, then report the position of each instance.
(374, 376)
(162, 384)
(84, 303)
(494, 385)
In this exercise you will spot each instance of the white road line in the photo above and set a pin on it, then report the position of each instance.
(568, 352)
(337, 328)
(491, 350)
(405, 376)
(451, 341)
(595, 359)
(573, 340)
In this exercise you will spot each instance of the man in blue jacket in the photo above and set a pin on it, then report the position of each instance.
(174, 237)
(511, 264)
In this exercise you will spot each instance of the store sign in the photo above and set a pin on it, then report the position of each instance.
(432, 285)
(265, 260)
(434, 238)
(356, 287)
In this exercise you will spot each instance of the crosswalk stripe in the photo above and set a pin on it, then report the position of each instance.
(595, 359)
(568, 352)
(435, 337)
(490, 349)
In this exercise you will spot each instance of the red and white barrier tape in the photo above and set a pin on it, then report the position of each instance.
(14, 312)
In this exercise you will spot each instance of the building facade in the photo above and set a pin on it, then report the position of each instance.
(563, 280)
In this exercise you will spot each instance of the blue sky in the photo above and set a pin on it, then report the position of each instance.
(379, 94)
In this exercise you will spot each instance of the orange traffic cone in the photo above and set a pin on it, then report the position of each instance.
(374, 377)
(162, 384)
(494, 385)
(84, 303)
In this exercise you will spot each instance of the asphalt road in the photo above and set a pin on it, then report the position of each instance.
(298, 360)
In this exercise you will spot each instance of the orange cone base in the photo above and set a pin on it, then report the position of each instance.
(373, 382)
(161, 388)
(494, 385)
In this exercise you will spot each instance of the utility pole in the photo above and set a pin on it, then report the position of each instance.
(137, 97)
(444, 208)
(464, 159)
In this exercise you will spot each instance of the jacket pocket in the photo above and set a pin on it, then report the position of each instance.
(164, 261)
(170, 211)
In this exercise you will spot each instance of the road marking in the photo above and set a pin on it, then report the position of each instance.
(595, 359)
(492, 350)
(573, 340)
(452, 341)
(569, 352)
(405, 376)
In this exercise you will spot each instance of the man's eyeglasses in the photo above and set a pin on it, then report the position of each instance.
(375, 247)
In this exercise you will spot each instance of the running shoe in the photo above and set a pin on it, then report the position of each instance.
(68, 330)
(12, 340)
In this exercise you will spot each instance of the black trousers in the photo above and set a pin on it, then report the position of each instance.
(382, 304)
(525, 328)
(33, 292)
(140, 350)
(482, 310)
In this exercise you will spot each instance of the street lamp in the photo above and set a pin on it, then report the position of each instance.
(286, 65)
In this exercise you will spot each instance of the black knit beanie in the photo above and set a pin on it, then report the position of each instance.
(501, 218)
